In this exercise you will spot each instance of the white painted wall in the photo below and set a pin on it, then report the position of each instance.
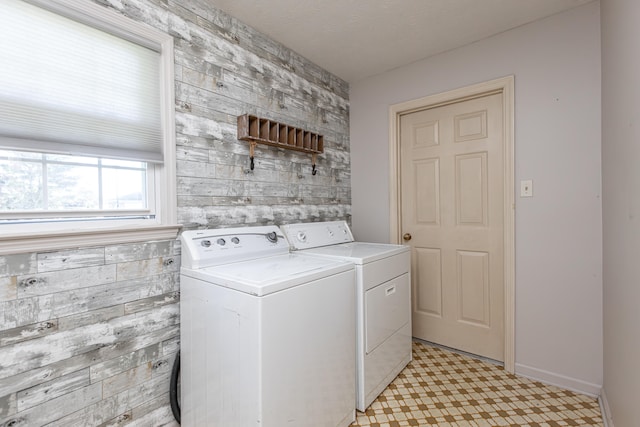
(556, 63)
(621, 207)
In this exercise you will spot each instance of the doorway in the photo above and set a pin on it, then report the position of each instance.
(452, 201)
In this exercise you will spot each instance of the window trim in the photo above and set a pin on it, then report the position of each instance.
(100, 232)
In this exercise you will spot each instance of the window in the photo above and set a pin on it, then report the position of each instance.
(50, 186)
(87, 140)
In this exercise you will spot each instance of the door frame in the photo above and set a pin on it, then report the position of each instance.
(504, 85)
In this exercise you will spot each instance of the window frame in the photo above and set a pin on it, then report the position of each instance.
(20, 238)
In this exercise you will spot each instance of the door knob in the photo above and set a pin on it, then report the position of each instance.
(406, 237)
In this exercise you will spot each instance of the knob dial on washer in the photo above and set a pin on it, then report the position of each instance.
(235, 240)
(302, 236)
(272, 237)
(221, 242)
(206, 243)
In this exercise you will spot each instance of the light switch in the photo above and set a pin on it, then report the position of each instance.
(526, 188)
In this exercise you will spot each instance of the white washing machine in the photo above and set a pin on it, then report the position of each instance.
(267, 337)
(383, 292)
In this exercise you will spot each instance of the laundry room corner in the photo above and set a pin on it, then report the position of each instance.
(557, 144)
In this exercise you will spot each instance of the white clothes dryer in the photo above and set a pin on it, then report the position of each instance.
(383, 293)
(267, 337)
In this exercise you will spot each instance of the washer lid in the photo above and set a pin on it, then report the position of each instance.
(359, 252)
(267, 275)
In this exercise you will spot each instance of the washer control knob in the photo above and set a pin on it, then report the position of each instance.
(206, 243)
(221, 242)
(235, 240)
(272, 237)
(302, 236)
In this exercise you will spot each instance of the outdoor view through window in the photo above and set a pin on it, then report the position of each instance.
(32, 182)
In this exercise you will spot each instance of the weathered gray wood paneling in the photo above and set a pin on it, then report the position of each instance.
(8, 405)
(56, 408)
(25, 311)
(8, 288)
(12, 265)
(51, 371)
(137, 251)
(98, 413)
(112, 367)
(67, 335)
(64, 280)
(28, 332)
(63, 260)
(51, 389)
(88, 336)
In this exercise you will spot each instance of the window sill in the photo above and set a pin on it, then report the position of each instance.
(40, 242)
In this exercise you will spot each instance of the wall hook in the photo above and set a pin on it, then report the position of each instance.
(252, 147)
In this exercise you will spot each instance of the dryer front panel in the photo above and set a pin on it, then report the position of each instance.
(387, 309)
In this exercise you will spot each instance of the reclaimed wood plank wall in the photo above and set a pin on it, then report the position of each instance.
(88, 336)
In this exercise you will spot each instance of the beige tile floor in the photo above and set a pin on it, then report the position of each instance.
(443, 388)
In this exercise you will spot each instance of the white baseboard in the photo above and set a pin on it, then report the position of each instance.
(557, 380)
(604, 408)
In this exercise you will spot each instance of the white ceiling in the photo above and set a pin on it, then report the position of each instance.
(355, 39)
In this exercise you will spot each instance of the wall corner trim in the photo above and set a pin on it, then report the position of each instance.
(607, 417)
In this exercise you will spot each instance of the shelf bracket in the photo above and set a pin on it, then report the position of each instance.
(314, 171)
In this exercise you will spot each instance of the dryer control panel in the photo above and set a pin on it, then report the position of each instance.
(316, 234)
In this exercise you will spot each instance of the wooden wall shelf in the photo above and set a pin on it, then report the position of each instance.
(269, 132)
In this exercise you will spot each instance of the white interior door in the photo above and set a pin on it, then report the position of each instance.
(452, 208)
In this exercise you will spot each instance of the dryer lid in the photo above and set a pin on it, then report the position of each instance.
(359, 252)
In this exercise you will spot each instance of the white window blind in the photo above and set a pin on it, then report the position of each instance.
(70, 88)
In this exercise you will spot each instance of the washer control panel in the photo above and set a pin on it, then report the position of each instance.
(316, 234)
(204, 248)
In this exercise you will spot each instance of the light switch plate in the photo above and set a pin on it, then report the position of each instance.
(526, 188)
